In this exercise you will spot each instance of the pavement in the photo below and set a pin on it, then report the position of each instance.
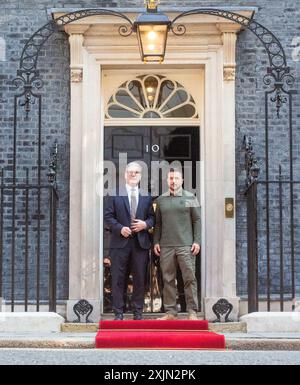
(155, 365)
(86, 340)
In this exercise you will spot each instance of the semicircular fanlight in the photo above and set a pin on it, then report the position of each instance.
(151, 96)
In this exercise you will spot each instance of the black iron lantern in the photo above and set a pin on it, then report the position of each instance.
(152, 29)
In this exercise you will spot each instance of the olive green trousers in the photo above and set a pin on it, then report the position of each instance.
(170, 258)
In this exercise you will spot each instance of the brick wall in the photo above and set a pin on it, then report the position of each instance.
(19, 20)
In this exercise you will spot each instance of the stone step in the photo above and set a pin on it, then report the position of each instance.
(87, 341)
(229, 327)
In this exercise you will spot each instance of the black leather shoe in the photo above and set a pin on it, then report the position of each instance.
(137, 316)
(119, 317)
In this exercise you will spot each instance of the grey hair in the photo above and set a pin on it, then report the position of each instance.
(135, 164)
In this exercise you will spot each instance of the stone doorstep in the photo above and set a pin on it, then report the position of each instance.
(127, 316)
(52, 322)
(229, 327)
(79, 327)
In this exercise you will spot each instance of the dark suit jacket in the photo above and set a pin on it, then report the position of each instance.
(117, 215)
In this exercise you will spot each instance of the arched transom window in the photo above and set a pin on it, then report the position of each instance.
(151, 96)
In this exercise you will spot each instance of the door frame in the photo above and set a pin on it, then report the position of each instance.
(219, 272)
(197, 90)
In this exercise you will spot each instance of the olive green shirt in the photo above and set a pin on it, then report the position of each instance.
(178, 220)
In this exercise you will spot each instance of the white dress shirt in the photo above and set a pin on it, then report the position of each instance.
(129, 190)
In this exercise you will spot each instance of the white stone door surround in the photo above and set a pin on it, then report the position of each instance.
(208, 46)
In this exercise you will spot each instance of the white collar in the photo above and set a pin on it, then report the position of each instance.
(130, 188)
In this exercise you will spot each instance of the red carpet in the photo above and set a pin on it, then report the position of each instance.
(179, 325)
(157, 334)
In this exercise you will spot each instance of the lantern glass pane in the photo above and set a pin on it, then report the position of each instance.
(152, 41)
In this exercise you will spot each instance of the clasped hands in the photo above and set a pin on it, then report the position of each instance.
(194, 249)
(137, 225)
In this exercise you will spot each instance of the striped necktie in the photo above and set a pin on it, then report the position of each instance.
(133, 203)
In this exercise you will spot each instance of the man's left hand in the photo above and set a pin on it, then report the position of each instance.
(195, 248)
(138, 225)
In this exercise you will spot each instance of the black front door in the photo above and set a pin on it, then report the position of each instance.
(150, 145)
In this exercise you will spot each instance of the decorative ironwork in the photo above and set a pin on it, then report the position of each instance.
(33, 46)
(268, 258)
(280, 80)
(28, 227)
(82, 308)
(53, 165)
(272, 45)
(222, 308)
(251, 162)
(27, 75)
(178, 29)
(27, 80)
(125, 31)
(278, 72)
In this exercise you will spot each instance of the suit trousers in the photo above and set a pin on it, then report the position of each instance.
(170, 258)
(134, 258)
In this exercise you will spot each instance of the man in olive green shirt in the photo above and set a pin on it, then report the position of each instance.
(177, 239)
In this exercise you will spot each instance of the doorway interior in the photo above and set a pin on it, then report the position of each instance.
(163, 126)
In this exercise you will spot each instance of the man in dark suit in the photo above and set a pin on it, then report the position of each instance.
(129, 216)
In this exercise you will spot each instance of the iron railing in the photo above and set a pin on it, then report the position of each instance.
(27, 244)
(273, 262)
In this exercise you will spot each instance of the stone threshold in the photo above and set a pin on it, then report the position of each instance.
(127, 316)
(229, 327)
